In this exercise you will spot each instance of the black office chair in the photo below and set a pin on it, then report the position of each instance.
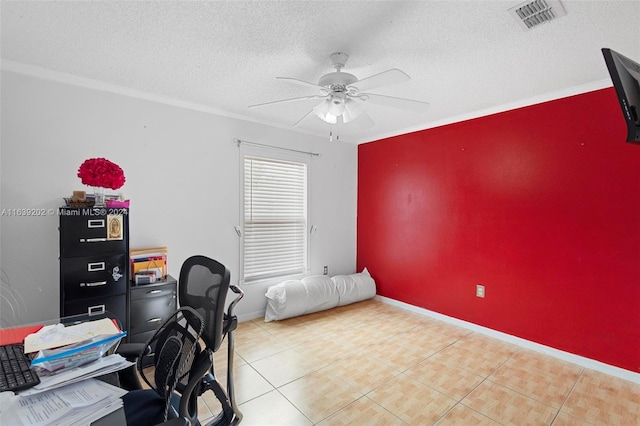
(202, 291)
(180, 363)
(203, 285)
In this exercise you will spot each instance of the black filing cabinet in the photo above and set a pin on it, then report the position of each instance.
(94, 261)
(150, 305)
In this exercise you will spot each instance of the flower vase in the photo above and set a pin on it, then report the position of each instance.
(98, 196)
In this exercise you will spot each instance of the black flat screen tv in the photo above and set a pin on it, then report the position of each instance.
(625, 75)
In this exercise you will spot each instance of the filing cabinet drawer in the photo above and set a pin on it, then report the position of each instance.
(149, 306)
(147, 314)
(89, 234)
(142, 337)
(117, 305)
(94, 276)
(146, 291)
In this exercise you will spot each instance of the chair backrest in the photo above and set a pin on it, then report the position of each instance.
(203, 286)
(177, 349)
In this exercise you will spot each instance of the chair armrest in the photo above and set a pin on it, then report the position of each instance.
(230, 320)
(131, 351)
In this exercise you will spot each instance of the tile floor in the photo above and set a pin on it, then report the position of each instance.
(374, 364)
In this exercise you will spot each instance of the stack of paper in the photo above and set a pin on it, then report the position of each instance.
(100, 367)
(54, 336)
(73, 404)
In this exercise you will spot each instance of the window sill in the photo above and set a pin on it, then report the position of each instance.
(275, 280)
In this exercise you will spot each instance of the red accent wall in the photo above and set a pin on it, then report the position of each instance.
(541, 205)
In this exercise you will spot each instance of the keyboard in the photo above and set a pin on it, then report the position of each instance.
(15, 371)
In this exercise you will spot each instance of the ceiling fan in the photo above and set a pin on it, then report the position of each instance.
(343, 96)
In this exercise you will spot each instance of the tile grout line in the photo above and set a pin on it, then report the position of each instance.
(485, 378)
(294, 406)
(569, 395)
(337, 334)
(559, 409)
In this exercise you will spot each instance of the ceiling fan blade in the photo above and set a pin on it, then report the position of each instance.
(305, 116)
(301, 82)
(392, 101)
(363, 121)
(303, 98)
(385, 78)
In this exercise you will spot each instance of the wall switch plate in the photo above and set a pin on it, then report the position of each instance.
(479, 290)
(326, 270)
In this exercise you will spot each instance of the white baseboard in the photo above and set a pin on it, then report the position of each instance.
(248, 316)
(562, 355)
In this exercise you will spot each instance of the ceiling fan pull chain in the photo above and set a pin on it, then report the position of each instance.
(331, 135)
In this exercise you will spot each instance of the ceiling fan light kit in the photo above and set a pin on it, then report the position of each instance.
(343, 94)
(328, 111)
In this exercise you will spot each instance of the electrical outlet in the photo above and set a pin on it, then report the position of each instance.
(326, 270)
(479, 290)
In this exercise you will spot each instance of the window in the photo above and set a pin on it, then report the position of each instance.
(275, 218)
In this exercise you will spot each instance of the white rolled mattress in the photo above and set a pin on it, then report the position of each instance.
(317, 293)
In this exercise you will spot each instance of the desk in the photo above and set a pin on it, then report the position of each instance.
(17, 335)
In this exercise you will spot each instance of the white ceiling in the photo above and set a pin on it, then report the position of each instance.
(466, 58)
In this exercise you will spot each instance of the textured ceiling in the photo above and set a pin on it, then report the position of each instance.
(464, 57)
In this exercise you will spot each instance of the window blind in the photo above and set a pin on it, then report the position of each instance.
(275, 218)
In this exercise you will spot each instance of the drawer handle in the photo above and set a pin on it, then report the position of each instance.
(97, 266)
(155, 320)
(96, 310)
(95, 223)
(92, 240)
(154, 292)
(94, 284)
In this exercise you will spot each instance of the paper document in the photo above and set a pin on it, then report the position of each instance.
(100, 367)
(54, 336)
(75, 404)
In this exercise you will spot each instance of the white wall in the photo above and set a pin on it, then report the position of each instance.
(182, 170)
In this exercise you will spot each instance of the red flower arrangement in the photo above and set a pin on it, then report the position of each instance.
(101, 172)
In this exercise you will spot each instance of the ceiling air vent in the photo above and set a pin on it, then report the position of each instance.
(533, 13)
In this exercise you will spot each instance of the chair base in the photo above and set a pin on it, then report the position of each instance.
(230, 414)
(221, 420)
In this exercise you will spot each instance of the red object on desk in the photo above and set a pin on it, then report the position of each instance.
(9, 336)
(115, 322)
(117, 204)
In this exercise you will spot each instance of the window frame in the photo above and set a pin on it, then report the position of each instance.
(276, 156)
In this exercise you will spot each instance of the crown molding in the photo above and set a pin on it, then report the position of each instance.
(74, 80)
(559, 94)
